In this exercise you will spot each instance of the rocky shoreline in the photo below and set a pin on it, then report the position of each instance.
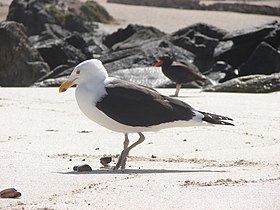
(61, 38)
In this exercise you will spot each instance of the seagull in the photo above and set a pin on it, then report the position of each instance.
(126, 107)
(178, 72)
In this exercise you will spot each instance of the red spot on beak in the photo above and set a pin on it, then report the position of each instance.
(63, 90)
(157, 64)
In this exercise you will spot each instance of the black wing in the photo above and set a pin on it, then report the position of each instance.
(137, 105)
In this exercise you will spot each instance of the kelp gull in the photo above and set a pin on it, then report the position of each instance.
(125, 107)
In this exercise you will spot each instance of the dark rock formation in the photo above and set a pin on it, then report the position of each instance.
(35, 14)
(264, 60)
(239, 45)
(201, 40)
(64, 35)
(128, 34)
(72, 49)
(249, 84)
(20, 63)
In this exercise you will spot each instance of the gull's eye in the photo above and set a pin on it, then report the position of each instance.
(78, 72)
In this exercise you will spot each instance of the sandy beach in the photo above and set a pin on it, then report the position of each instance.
(44, 134)
(170, 20)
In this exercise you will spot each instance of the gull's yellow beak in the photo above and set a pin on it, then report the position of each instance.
(65, 85)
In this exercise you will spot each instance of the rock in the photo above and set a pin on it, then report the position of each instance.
(35, 14)
(59, 52)
(52, 31)
(93, 11)
(51, 82)
(121, 35)
(82, 168)
(131, 36)
(221, 71)
(145, 56)
(59, 71)
(273, 38)
(201, 28)
(200, 39)
(249, 84)
(10, 193)
(239, 45)
(255, 34)
(74, 22)
(234, 55)
(201, 46)
(264, 60)
(32, 14)
(144, 52)
(105, 160)
(20, 63)
(138, 38)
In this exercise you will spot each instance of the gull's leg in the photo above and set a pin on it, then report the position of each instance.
(122, 158)
(126, 141)
(178, 86)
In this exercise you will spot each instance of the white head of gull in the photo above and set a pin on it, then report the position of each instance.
(126, 107)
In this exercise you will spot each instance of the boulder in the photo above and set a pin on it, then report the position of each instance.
(236, 47)
(256, 33)
(139, 32)
(200, 39)
(72, 16)
(138, 38)
(249, 84)
(32, 14)
(264, 60)
(20, 63)
(58, 52)
(202, 28)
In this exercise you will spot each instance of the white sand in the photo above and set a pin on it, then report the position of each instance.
(41, 130)
(170, 20)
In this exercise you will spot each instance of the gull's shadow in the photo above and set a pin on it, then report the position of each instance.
(142, 171)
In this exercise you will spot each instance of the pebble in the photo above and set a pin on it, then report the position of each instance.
(105, 160)
(10, 193)
(82, 168)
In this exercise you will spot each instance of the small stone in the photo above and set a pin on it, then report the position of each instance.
(153, 156)
(82, 168)
(105, 160)
(10, 193)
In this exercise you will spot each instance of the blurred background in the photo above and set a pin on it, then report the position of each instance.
(234, 44)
